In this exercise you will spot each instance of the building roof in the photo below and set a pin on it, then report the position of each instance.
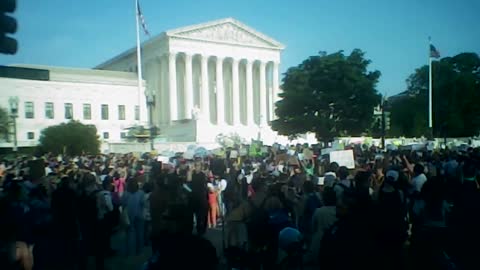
(67, 74)
(225, 31)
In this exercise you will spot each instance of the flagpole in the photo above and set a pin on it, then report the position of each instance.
(139, 59)
(430, 89)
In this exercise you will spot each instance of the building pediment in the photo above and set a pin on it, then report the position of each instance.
(227, 31)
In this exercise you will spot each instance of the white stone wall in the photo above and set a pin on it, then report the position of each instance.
(77, 93)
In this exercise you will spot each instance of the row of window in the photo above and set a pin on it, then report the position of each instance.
(106, 135)
(87, 111)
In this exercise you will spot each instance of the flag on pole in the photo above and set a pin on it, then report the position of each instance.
(142, 19)
(434, 53)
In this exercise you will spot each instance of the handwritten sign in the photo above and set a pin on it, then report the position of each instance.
(343, 158)
(307, 153)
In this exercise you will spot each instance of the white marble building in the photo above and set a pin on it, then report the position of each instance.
(106, 99)
(216, 77)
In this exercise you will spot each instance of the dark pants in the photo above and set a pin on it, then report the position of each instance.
(201, 214)
(93, 244)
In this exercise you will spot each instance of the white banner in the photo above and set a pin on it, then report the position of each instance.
(343, 158)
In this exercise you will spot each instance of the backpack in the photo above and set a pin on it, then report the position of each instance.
(351, 188)
(393, 213)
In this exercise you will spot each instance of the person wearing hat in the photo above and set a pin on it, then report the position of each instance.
(391, 224)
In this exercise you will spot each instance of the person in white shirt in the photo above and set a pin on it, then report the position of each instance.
(419, 179)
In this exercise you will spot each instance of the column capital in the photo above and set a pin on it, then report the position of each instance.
(172, 54)
(220, 58)
(263, 64)
(188, 54)
(188, 57)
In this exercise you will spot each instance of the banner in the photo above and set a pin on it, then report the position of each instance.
(343, 158)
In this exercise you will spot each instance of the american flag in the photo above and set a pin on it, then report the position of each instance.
(434, 53)
(142, 19)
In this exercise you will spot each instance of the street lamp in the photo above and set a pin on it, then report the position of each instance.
(13, 101)
(150, 104)
(260, 128)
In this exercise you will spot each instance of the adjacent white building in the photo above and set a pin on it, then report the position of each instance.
(216, 77)
(106, 99)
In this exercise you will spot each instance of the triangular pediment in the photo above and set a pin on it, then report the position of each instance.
(226, 31)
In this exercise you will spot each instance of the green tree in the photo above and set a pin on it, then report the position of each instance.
(328, 94)
(72, 138)
(456, 91)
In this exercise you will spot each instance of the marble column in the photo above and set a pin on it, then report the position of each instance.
(263, 94)
(249, 79)
(205, 97)
(188, 86)
(275, 88)
(172, 74)
(235, 93)
(220, 92)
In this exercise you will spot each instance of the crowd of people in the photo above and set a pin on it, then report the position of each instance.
(280, 208)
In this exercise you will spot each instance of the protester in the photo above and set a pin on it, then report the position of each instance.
(133, 202)
(389, 206)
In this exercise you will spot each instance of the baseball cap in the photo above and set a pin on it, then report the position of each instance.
(392, 175)
(287, 237)
(329, 179)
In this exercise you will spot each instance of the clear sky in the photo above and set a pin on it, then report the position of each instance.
(84, 33)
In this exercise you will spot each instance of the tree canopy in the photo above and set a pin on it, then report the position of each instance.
(328, 94)
(72, 138)
(456, 91)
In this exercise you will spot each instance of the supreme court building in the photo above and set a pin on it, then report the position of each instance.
(217, 77)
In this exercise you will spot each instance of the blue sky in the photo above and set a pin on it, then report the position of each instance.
(84, 33)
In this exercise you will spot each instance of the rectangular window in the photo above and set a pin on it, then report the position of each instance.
(104, 112)
(137, 112)
(29, 111)
(106, 135)
(123, 135)
(68, 111)
(30, 135)
(121, 112)
(87, 111)
(49, 113)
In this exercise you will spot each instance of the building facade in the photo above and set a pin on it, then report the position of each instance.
(206, 79)
(106, 99)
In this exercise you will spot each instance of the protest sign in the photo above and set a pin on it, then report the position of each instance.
(281, 157)
(189, 154)
(307, 153)
(343, 158)
(243, 152)
(234, 154)
(163, 159)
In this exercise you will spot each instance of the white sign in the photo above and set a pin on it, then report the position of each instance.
(243, 152)
(234, 154)
(189, 154)
(343, 158)
(163, 159)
